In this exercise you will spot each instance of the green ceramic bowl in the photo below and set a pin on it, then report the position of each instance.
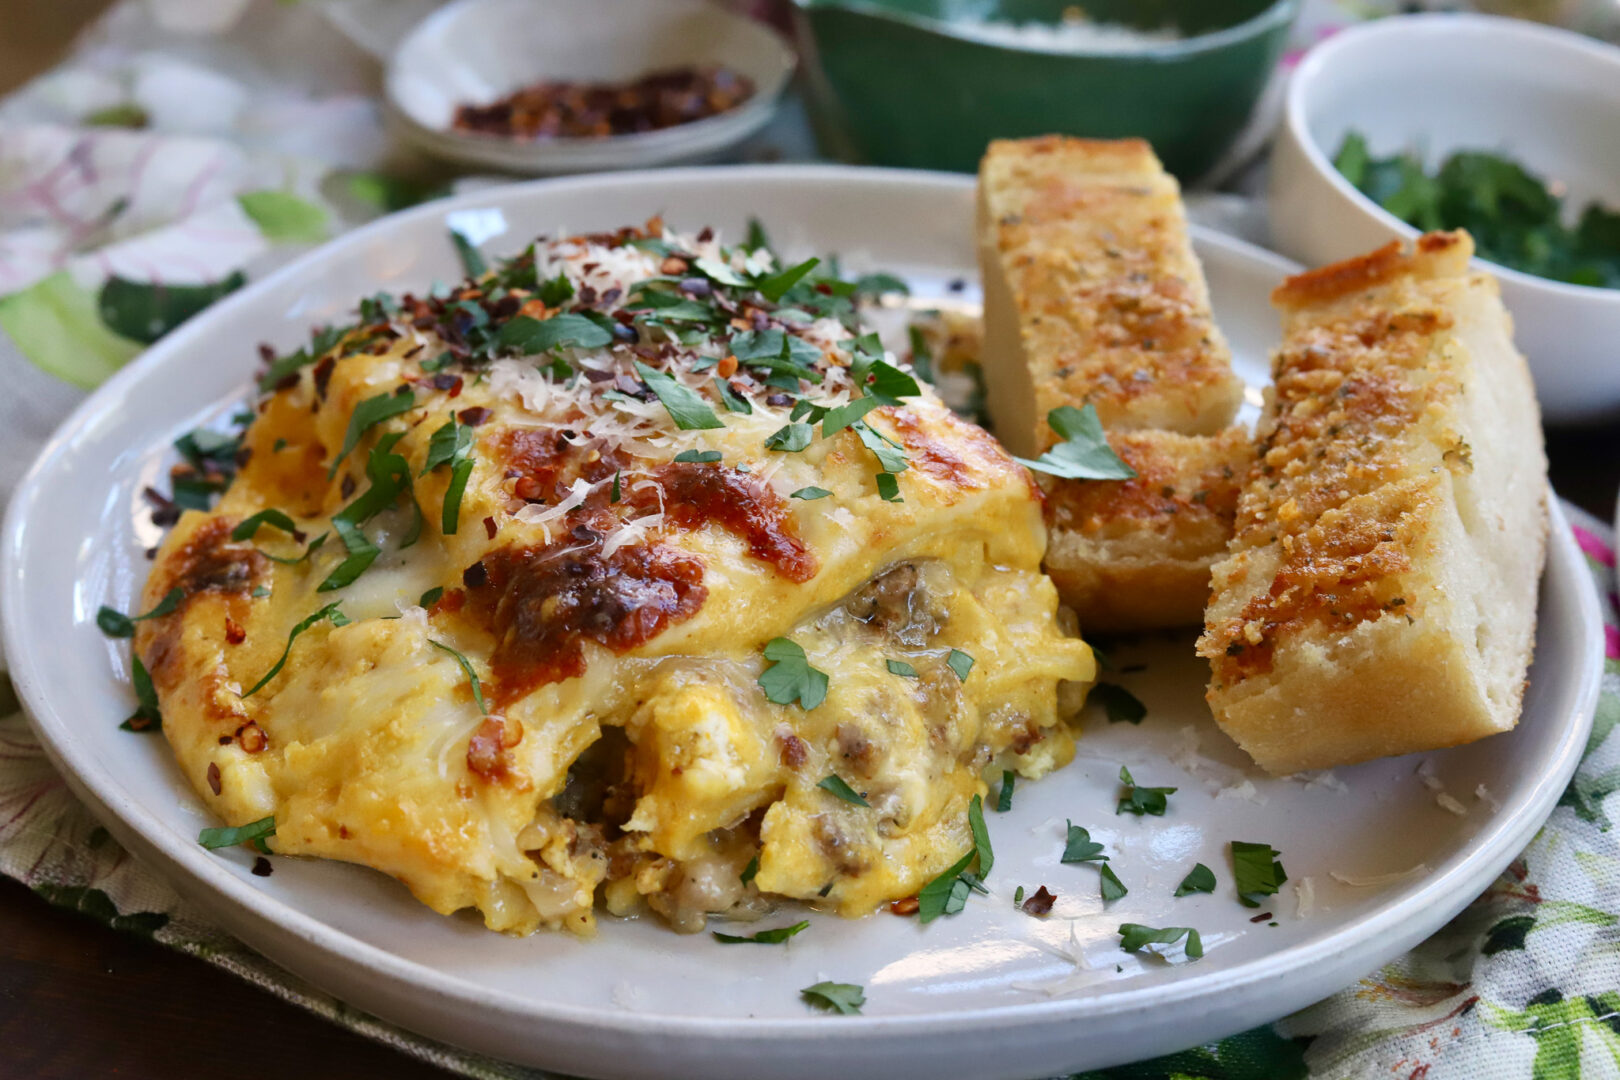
(894, 82)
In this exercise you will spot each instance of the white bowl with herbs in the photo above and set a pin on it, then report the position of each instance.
(1506, 128)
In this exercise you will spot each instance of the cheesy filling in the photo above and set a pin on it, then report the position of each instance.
(583, 493)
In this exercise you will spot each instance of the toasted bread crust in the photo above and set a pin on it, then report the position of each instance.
(1393, 521)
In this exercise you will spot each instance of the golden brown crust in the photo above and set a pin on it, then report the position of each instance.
(1392, 520)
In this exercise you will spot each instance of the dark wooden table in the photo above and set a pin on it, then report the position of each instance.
(79, 1000)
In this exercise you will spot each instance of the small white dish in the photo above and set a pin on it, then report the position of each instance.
(1548, 98)
(477, 51)
(989, 993)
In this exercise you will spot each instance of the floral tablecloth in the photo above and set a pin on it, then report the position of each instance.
(190, 145)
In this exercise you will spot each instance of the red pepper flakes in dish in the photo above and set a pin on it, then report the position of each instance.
(584, 110)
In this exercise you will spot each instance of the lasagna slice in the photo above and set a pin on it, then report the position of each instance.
(1380, 593)
(1093, 295)
(629, 574)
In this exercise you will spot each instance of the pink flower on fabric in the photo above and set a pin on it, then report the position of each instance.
(1611, 642)
(1594, 547)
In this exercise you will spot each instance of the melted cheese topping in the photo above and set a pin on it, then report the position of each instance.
(613, 596)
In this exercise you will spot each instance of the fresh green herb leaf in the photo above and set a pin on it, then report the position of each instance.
(1081, 848)
(777, 285)
(750, 871)
(790, 438)
(367, 415)
(254, 832)
(698, 457)
(756, 240)
(843, 416)
(1084, 453)
(720, 273)
(472, 261)
(118, 625)
(846, 998)
(451, 444)
(790, 677)
(946, 894)
(1256, 871)
(472, 676)
(981, 836)
(777, 351)
(615, 494)
(259, 592)
(733, 401)
(689, 411)
(888, 383)
(810, 494)
(330, 611)
(837, 785)
(764, 937)
(1199, 879)
(1018, 896)
(249, 526)
(1112, 887)
(146, 716)
(959, 662)
(890, 454)
(1004, 798)
(888, 488)
(362, 553)
(1134, 937)
(431, 597)
(900, 667)
(1119, 703)
(1142, 800)
(879, 285)
(528, 336)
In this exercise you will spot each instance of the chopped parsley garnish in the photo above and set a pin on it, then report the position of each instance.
(1080, 847)
(890, 454)
(843, 416)
(733, 401)
(719, 272)
(839, 787)
(1133, 937)
(776, 286)
(1018, 896)
(1004, 797)
(146, 716)
(1119, 703)
(390, 476)
(750, 871)
(254, 832)
(698, 457)
(472, 260)
(472, 676)
(790, 677)
(529, 336)
(689, 411)
(452, 444)
(790, 438)
(900, 667)
(777, 351)
(368, 414)
(888, 488)
(431, 597)
(809, 494)
(756, 239)
(1199, 879)
(614, 495)
(846, 998)
(249, 526)
(947, 894)
(330, 611)
(1084, 453)
(959, 662)
(764, 937)
(879, 285)
(1142, 800)
(259, 592)
(118, 625)
(1256, 871)
(362, 553)
(1112, 887)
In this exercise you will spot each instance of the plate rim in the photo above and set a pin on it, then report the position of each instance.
(1449, 888)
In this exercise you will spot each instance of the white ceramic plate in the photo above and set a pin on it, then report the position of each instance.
(991, 992)
(481, 50)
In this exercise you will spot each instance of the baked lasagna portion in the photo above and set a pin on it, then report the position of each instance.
(628, 573)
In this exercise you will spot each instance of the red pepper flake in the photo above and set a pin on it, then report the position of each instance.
(575, 110)
(489, 527)
(529, 489)
(343, 832)
(346, 488)
(225, 740)
(251, 737)
(475, 576)
(444, 380)
(1262, 917)
(906, 905)
(213, 777)
(488, 750)
(474, 416)
(261, 867)
(1041, 903)
(451, 601)
(234, 633)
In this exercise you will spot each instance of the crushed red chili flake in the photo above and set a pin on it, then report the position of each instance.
(1262, 917)
(165, 511)
(906, 905)
(261, 867)
(576, 110)
(474, 416)
(224, 740)
(234, 633)
(489, 527)
(475, 576)
(251, 737)
(1041, 903)
(213, 777)
(346, 488)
